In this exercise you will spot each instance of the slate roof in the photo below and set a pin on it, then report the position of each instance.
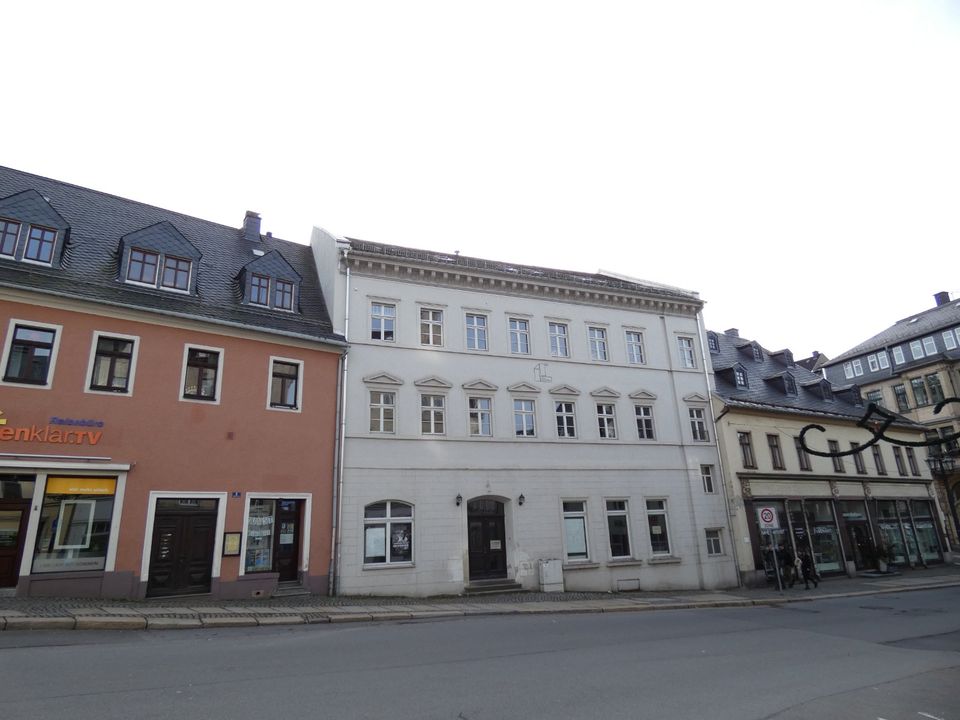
(922, 324)
(528, 273)
(89, 267)
(766, 390)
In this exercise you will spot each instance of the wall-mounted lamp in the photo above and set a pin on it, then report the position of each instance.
(459, 499)
(521, 500)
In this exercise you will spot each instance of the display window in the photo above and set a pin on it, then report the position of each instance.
(74, 528)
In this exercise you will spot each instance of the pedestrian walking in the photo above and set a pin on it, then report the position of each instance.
(789, 567)
(806, 567)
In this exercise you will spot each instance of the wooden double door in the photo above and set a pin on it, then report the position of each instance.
(181, 553)
(486, 539)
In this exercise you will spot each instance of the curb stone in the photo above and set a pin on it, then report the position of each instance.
(227, 621)
(92, 622)
(276, 620)
(41, 623)
(179, 623)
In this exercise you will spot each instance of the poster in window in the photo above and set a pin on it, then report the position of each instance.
(400, 543)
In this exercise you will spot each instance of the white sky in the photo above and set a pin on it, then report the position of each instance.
(796, 164)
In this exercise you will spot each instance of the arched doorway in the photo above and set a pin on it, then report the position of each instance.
(486, 539)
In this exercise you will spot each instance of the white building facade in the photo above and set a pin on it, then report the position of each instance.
(510, 425)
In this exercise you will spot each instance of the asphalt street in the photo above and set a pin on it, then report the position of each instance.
(889, 657)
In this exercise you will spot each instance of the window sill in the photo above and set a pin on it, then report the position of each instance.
(580, 565)
(626, 562)
(388, 566)
(664, 560)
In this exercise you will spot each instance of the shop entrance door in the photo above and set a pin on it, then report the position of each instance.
(486, 540)
(287, 541)
(13, 529)
(181, 554)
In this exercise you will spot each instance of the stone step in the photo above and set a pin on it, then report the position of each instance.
(491, 587)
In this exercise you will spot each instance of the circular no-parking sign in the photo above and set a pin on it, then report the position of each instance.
(768, 518)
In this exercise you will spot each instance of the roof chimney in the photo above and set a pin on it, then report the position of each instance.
(942, 298)
(251, 226)
(732, 331)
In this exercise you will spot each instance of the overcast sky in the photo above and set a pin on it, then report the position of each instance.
(796, 164)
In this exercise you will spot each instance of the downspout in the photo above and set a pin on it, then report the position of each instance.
(333, 585)
(707, 363)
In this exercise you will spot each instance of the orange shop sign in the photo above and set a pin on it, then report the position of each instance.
(81, 486)
(58, 431)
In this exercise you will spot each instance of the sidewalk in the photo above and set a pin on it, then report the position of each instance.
(198, 612)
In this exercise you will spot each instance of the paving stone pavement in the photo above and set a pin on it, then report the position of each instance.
(199, 612)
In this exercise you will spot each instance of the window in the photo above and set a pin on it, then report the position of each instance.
(858, 459)
(575, 529)
(388, 533)
(714, 541)
(431, 414)
(476, 332)
(740, 376)
(883, 360)
(598, 343)
(929, 346)
(900, 393)
(657, 521)
(607, 421)
(142, 267)
(898, 355)
(776, 455)
(857, 367)
(706, 474)
(73, 532)
(480, 416)
(559, 339)
(919, 392)
(566, 420)
(848, 370)
(618, 528)
(382, 410)
(519, 336)
(176, 273)
(283, 295)
(259, 290)
(698, 424)
(201, 378)
(40, 242)
(949, 341)
(383, 321)
(713, 342)
(936, 390)
(802, 455)
(916, 349)
(431, 327)
(635, 348)
(912, 461)
(757, 353)
(898, 459)
(875, 397)
(789, 384)
(9, 232)
(872, 363)
(878, 460)
(746, 449)
(644, 415)
(285, 387)
(834, 447)
(30, 354)
(685, 349)
(112, 366)
(524, 423)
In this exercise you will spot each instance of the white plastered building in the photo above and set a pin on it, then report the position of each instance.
(510, 425)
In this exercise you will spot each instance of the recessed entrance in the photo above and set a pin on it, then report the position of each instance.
(486, 539)
(181, 553)
(16, 492)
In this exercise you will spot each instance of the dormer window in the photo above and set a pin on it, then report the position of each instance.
(757, 353)
(283, 297)
(826, 390)
(176, 274)
(40, 243)
(713, 342)
(159, 256)
(740, 376)
(142, 267)
(789, 384)
(9, 231)
(259, 290)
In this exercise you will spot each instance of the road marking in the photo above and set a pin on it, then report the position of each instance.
(932, 717)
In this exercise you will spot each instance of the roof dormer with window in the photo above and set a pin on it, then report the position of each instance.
(31, 230)
(269, 281)
(159, 256)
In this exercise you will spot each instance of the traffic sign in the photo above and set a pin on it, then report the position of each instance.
(768, 518)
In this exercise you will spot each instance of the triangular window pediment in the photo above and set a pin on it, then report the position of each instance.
(480, 385)
(523, 387)
(32, 208)
(33, 216)
(382, 378)
(563, 390)
(605, 392)
(694, 398)
(433, 382)
(274, 265)
(642, 395)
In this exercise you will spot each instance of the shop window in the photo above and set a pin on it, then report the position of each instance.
(388, 533)
(260, 535)
(382, 411)
(618, 527)
(73, 533)
(286, 389)
(480, 416)
(575, 529)
(926, 530)
(201, 374)
(30, 354)
(824, 538)
(111, 369)
(657, 523)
